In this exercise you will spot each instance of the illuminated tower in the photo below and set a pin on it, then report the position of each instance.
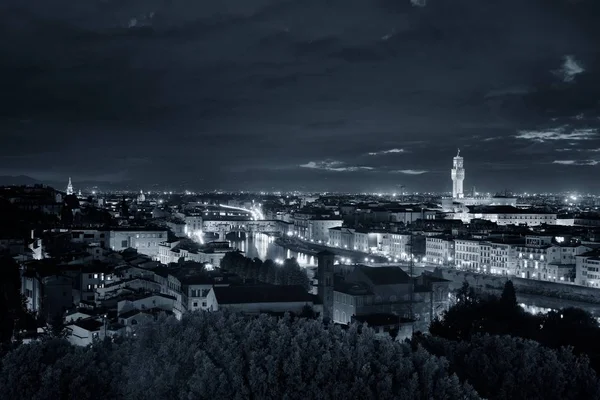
(458, 176)
(69, 188)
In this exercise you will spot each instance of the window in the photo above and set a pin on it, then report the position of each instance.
(95, 276)
(203, 304)
(195, 304)
(124, 243)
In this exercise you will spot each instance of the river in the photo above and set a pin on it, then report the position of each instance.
(263, 246)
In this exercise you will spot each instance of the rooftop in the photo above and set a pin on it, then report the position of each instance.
(382, 319)
(261, 294)
(90, 324)
(352, 288)
(385, 275)
(506, 210)
(150, 311)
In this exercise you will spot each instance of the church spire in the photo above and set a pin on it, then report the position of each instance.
(69, 188)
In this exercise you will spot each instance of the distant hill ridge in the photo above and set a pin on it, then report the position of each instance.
(19, 180)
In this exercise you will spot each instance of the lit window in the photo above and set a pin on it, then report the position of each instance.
(95, 276)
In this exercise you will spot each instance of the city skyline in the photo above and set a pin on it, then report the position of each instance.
(272, 95)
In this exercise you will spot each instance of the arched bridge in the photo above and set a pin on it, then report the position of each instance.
(224, 227)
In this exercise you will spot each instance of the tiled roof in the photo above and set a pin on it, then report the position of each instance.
(89, 324)
(261, 294)
(385, 275)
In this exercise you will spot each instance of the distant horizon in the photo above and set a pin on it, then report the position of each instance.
(89, 186)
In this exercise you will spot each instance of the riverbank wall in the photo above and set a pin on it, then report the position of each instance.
(543, 294)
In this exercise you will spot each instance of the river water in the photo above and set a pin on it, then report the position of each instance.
(263, 246)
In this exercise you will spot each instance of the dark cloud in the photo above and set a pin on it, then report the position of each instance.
(237, 92)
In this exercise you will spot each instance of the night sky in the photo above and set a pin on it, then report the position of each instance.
(338, 95)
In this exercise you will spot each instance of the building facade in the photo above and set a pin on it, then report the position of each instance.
(397, 245)
(318, 229)
(145, 241)
(439, 250)
(588, 269)
(468, 254)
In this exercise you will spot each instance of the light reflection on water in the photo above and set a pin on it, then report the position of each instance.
(535, 309)
(263, 246)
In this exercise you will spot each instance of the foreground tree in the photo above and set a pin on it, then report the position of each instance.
(474, 316)
(53, 369)
(290, 273)
(506, 368)
(227, 356)
(509, 296)
(13, 311)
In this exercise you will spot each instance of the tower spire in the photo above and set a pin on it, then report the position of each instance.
(458, 176)
(69, 188)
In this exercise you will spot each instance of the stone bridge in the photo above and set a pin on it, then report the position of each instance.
(223, 227)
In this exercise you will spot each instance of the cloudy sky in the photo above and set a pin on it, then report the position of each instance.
(302, 94)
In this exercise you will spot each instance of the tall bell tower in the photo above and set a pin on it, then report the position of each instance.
(458, 176)
(69, 188)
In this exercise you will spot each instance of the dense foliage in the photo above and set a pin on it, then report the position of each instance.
(507, 368)
(53, 369)
(290, 273)
(14, 316)
(10, 298)
(473, 315)
(228, 356)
